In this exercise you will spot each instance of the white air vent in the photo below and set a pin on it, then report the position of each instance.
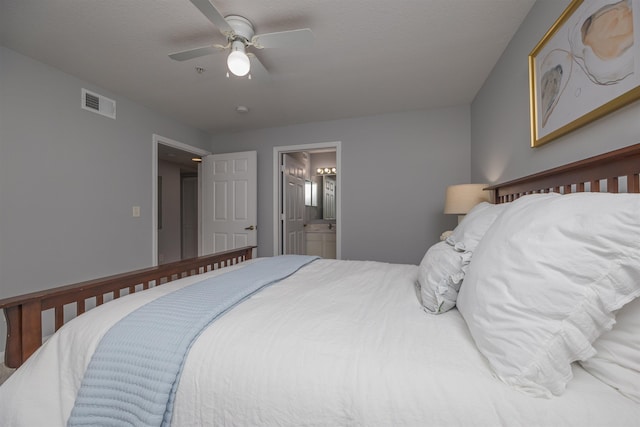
(98, 104)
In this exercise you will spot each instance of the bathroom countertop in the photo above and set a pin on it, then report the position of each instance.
(321, 227)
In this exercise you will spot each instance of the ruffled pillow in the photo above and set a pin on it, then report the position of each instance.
(617, 359)
(444, 265)
(544, 283)
(440, 275)
(475, 224)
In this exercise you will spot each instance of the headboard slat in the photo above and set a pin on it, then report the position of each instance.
(59, 316)
(633, 183)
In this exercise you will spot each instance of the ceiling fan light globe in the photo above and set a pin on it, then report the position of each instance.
(238, 63)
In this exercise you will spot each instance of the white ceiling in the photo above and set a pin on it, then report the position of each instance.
(369, 56)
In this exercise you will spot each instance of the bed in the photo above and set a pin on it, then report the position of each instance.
(375, 344)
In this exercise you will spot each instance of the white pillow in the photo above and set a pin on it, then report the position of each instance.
(617, 361)
(545, 280)
(445, 263)
(440, 275)
(475, 224)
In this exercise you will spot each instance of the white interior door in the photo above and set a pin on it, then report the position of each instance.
(229, 201)
(293, 174)
(329, 191)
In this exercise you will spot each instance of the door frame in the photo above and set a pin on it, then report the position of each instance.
(277, 189)
(155, 140)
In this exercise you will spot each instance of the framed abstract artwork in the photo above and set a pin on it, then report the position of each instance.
(585, 66)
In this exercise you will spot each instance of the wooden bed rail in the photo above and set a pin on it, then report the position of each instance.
(23, 313)
(583, 175)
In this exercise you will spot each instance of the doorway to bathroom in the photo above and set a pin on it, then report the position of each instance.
(307, 193)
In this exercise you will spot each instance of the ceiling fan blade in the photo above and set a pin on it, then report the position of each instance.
(286, 39)
(258, 71)
(209, 10)
(195, 53)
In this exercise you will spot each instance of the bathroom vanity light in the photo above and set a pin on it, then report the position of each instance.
(326, 171)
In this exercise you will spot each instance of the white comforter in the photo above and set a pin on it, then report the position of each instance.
(338, 343)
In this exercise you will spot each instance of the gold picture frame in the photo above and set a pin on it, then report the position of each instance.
(585, 66)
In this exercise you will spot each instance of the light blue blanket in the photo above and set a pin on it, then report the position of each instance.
(133, 375)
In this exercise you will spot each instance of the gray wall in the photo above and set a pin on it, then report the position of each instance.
(69, 179)
(395, 169)
(500, 147)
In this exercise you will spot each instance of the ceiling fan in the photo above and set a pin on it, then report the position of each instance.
(240, 36)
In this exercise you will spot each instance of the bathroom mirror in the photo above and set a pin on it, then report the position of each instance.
(311, 188)
(320, 197)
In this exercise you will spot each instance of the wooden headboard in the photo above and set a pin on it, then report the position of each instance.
(24, 313)
(610, 172)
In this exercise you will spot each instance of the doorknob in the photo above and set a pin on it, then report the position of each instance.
(251, 227)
